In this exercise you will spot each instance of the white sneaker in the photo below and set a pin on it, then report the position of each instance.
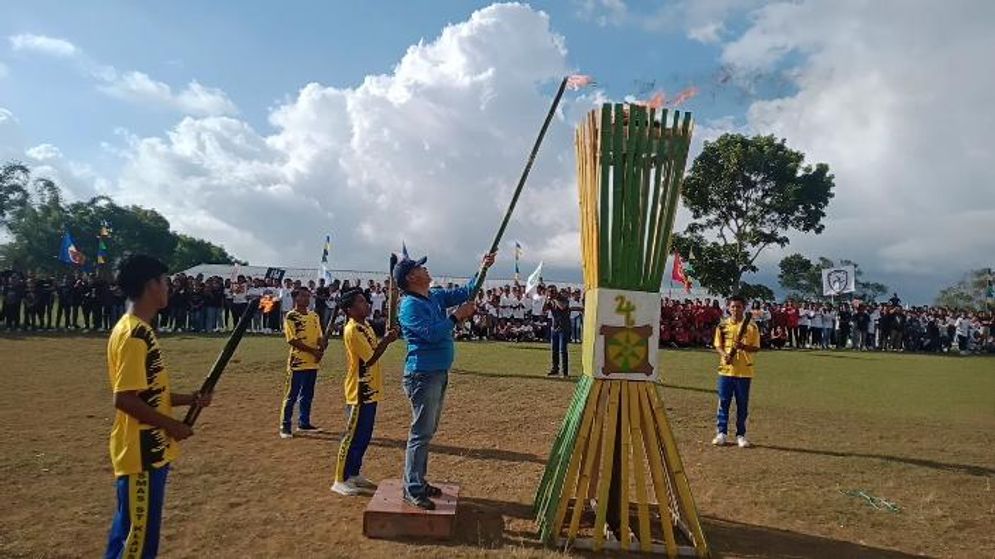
(719, 440)
(742, 442)
(360, 480)
(286, 434)
(347, 488)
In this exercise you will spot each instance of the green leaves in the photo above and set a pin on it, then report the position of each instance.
(745, 194)
(35, 217)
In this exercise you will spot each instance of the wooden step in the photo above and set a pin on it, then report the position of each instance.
(387, 516)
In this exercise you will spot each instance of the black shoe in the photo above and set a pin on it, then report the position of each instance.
(421, 501)
(432, 491)
(308, 428)
(552, 373)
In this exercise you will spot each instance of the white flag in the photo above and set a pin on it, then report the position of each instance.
(533, 280)
(839, 280)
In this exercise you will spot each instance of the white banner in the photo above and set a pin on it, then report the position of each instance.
(533, 280)
(839, 280)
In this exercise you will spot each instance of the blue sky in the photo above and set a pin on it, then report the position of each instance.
(420, 113)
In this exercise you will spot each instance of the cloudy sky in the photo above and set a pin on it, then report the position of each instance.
(263, 128)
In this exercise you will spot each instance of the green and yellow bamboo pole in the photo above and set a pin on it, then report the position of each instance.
(615, 452)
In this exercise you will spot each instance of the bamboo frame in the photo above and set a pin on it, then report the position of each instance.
(616, 441)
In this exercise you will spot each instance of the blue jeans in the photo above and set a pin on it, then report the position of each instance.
(558, 345)
(577, 324)
(427, 391)
(135, 530)
(300, 389)
(728, 388)
(212, 314)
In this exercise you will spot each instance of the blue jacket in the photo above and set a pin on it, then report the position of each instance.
(428, 329)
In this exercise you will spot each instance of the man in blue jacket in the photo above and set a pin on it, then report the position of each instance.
(428, 330)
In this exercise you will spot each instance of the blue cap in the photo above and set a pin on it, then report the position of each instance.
(403, 268)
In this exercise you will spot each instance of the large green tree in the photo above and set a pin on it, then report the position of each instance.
(802, 278)
(971, 292)
(35, 218)
(745, 194)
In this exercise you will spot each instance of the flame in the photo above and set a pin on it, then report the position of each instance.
(577, 81)
(684, 96)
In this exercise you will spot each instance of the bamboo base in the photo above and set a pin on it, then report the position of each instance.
(615, 479)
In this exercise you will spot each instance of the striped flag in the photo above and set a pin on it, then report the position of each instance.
(518, 256)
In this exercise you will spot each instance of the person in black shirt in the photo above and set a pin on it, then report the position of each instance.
(45, 293)
(196, 308)
(321, 302)
(558, 305)
(844, 316)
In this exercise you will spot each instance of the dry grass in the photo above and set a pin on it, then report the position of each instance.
(914, 430)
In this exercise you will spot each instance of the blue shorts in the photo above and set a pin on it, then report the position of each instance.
(135, 531)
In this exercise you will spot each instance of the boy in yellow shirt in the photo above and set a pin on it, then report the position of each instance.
(144, 436)
(735, 371)
(302, 330)
(363, 385)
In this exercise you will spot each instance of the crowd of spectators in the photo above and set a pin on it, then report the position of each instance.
(91, 302)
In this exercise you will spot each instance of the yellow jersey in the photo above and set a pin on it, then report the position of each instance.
(306, 328)
(363, 383)
(134, 363)
(725, 338)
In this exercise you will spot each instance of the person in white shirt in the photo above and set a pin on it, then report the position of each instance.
(872, 328)
(517, 305)
(804, 322)
(815, 325)
(377, 299)
(536, 312)
(577, 316)
(286, 295)
(828, 324)
(963, 328)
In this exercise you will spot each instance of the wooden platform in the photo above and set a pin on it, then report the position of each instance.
(387, 516)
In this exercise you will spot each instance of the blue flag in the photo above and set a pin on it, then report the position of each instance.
(69, 253)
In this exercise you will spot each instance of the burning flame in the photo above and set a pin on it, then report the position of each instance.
(577, 81)
(685, 96)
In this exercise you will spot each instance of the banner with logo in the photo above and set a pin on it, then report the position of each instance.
(836, 281)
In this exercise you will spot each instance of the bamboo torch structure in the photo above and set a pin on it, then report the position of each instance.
(614, 479)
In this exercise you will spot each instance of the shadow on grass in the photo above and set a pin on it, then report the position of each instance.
(968, 469)
(474, 453)
(690, 388)
(480, 523)
(736, 539)
(539, 376)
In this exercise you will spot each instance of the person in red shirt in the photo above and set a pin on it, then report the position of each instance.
(791, 314)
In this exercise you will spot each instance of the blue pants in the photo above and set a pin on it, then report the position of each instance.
(577, 327)
(427, 391)
(359, 431)
(559, 346)
(135, 530)
(729, 387)
(300, 389)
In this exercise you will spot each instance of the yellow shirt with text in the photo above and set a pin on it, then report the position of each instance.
(134, 363)
(726, 334)
(363, 383)
(306, 328)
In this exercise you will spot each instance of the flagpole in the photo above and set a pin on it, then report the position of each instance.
(482, 273)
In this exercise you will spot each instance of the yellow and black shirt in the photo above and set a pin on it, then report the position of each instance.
(305, 328)
(134, 363)
(363, 383)
(725, 337)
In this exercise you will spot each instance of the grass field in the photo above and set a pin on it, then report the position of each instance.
(915, 430)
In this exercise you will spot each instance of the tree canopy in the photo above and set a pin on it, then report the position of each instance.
(745, 194)
(973, 291)
(34, 217)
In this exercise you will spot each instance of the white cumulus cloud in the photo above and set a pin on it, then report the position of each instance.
(43, 152)
(428, 154)
(133, 86)
(43, 44)
(195, 99)
(897, 102)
